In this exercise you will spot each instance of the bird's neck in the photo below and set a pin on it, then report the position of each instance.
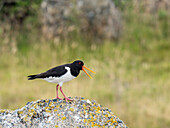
(75, 71)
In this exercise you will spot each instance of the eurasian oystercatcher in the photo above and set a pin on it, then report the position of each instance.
(62, 74)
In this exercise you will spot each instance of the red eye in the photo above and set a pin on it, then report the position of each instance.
(79, 62)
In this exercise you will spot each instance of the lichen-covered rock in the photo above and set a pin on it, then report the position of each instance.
(94, 18)
(57, 113)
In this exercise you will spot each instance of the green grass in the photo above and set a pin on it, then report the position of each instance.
(132, 75)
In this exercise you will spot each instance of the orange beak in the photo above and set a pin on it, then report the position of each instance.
(89, 70)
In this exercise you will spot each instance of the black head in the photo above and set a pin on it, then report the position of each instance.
(78, 64)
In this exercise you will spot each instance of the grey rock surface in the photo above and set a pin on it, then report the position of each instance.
(57, 113)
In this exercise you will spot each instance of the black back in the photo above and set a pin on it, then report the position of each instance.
(58, 71)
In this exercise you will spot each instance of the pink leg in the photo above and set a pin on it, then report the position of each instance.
(57, 92)
(66, 98)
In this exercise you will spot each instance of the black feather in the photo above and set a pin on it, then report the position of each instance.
(31, 77)
(58, 71)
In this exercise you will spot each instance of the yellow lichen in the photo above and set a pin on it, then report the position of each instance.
(46, 107)
(48, 111)
(31, 110)
(63, 118)
(2, 110)
(94, 119)
(94, 107)
(55, 110)
(71, 109)
(98, 108)
(84, 105)
(113, 121)
(89, 120)
(85, 120)
(95, 124)
(91, 115)
(35, 106)
(84, 112)
(20, 112)
(56, 126)
(92, 124)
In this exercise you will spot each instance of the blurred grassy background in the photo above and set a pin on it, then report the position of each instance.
(132, 73)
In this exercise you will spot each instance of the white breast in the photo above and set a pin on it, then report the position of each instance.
(60, 80)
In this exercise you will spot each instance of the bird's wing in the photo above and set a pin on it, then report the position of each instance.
(54, 72)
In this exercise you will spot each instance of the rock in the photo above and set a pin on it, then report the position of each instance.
(97, 19)
(77, 113)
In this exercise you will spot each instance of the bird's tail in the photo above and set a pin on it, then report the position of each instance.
(31, 77)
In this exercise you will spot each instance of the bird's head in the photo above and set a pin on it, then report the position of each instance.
(80, 66)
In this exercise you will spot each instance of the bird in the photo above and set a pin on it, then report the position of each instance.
(61, 74)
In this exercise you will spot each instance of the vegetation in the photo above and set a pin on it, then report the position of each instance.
(132, 74)
(14, 12)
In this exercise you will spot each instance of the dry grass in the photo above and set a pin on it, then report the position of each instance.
(132, 84)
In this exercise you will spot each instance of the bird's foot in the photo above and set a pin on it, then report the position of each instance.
(58, 98)
(66, 98)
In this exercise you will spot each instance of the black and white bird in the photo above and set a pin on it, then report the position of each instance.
(62, 74)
